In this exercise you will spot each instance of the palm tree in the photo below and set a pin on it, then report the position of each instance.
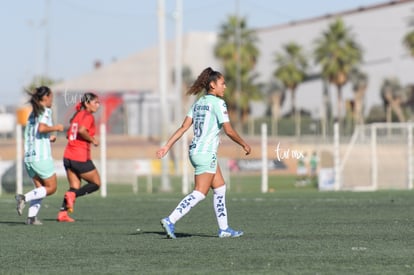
(359, 82)
(393, 96)
(337, 53)
(236, 47)
(39, 81)
(408, 40)
(291, 71)
(276, 95)
(188, 79)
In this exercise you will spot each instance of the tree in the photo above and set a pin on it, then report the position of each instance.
(393, 96)
(408, 39)
(187, 80)
(359, 82)
(291, 71)
(276, 94)
(39, 81)
(236, 48)
(337, 52)
(408, 42)
(409, 103)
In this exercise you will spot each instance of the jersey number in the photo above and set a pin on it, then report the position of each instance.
(198, 128)
(73, 133)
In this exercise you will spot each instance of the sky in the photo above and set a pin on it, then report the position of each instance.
(64, 38)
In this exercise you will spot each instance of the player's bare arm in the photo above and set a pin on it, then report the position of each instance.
(83, 132)
(233, 135)
(44, 128)
(188, 121)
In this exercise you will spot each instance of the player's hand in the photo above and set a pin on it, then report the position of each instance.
(247, 149)
(162, 152)
(52, 138)
(95, 142)
(59, 127)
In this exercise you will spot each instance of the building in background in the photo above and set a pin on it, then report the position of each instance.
(379, 29)
(129, 87)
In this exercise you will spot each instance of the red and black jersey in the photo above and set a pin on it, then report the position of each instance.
(77, 148)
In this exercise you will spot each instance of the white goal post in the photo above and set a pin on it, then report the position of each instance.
(378, 156)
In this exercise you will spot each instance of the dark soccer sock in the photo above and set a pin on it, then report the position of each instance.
(63, 207)
(86, 189)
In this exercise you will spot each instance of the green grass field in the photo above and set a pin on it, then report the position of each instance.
(289, 231)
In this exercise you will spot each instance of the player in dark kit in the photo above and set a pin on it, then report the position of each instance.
(77, 156)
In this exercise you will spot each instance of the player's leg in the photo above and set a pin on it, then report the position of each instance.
(50, 185)
(88, 172)
(73, 169)
(35, 205)
(219, 199)
(44, 179)
(33, 211)
(220, 209)
(77, 171)
(93, 183)
(70, 195)
(202, 182)
(185, 205)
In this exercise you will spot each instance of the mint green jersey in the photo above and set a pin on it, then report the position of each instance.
(37, 145)
(208, 113)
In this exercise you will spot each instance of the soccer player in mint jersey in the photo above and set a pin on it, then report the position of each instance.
(208, 116)
(38, 159)
(77, 155)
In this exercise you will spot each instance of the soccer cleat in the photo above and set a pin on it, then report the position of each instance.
(64, 217)
(33, 221)
(70, 198)
(229, 233)
(168, 227)
(20, 199)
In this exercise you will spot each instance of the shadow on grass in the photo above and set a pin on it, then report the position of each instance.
(12, 223)
(178, 235)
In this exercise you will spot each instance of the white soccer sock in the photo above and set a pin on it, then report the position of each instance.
(35, 194)
(185, 205)
(219, 203)
(34, 207)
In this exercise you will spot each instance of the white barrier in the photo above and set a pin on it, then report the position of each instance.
(265, 185)
(19, 159)
(4, 166)
(7, 122)
(103, 160)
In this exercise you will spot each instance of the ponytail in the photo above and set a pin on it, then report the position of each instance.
(78, 106)
(36, 96)
(203, 81)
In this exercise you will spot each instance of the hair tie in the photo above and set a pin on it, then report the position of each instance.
(79, 106)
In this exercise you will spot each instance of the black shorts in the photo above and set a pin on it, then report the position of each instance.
(78, 167)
